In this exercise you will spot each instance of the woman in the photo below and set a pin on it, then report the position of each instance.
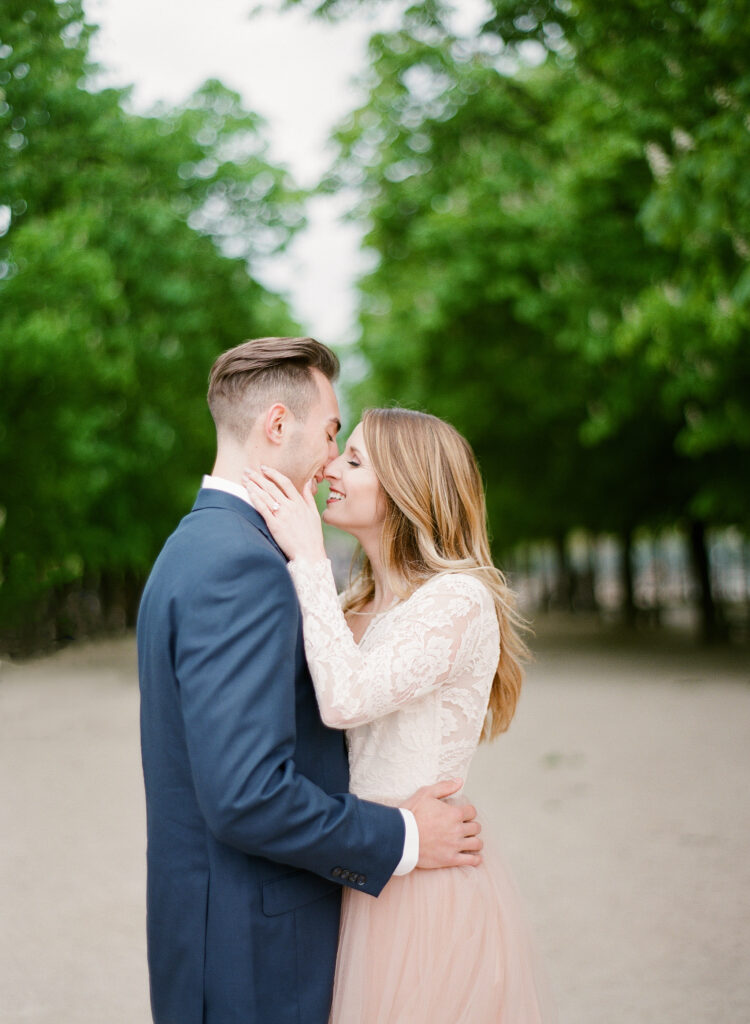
(420, 659)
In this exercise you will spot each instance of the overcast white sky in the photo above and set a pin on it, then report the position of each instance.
(292, 69)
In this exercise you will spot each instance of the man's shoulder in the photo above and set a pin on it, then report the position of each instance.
(208, 541)
(215, 555)
(219, 532)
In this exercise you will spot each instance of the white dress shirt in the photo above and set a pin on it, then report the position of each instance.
(410, 855)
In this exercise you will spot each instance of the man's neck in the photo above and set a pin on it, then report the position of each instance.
(224, 472)
(234, 457)
(232, 465)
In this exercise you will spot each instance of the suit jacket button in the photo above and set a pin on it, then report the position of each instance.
(336, 872)
(361, 879)
(345, 874)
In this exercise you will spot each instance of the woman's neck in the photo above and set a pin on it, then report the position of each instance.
(383, 596)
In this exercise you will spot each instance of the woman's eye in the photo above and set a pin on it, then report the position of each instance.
(351, 462)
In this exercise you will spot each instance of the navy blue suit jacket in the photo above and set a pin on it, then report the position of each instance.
(251, 830)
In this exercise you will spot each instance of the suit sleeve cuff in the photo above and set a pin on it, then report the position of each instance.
(411, 844)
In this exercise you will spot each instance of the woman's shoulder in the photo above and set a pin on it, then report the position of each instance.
(465, 584)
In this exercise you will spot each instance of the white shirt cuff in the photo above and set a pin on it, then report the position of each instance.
(411, 844)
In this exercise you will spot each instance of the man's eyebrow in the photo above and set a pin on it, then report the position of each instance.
(337, 421)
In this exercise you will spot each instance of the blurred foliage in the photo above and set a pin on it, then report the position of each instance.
(680, 76)
(558, 211)
(123, 273)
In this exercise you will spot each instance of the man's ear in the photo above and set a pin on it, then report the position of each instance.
(276, 423)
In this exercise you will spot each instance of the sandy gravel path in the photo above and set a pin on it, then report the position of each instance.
(620, 797)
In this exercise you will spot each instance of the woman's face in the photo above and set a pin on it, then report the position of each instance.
(355, 502)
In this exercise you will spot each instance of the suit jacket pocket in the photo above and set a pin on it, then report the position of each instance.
(296, 889)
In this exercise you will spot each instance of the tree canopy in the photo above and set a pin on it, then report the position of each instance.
(558, 217)
(123, 273)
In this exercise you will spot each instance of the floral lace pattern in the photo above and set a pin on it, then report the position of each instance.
(413, 694)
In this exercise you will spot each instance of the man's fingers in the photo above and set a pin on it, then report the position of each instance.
(442, 789)
(469, 812)
(472, 860)
(472, 844)
(472, 828)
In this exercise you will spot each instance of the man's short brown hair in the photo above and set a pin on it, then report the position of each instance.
(245, 380)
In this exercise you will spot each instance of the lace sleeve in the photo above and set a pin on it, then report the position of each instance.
(431, 639)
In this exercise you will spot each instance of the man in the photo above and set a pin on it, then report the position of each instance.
(251, 830)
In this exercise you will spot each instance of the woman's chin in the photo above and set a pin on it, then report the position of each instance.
(330, 518)
(326, 516)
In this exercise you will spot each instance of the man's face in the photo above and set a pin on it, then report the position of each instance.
(312, 442)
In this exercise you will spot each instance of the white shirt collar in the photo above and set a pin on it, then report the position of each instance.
(218, 483)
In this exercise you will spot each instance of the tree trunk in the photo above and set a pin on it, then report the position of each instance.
(629, 612)
(134, 583)
(702, 573)
(564, 584)
(585, 596)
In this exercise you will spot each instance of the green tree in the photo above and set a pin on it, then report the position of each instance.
(124, 273)
(491, 301)
(681, 72)
(620, 250)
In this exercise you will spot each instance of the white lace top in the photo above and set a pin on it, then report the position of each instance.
(413, 694)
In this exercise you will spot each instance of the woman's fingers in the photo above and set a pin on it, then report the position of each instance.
(258, 495)
(298, 533)
(283, 483)
(264, 503)
(268, 485)
(308, 496)
(279, 486)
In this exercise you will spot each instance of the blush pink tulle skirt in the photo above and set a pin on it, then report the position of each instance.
(440, 947)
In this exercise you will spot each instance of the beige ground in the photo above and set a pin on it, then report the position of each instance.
(621, 796)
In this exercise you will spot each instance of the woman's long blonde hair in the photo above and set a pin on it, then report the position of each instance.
(436, 522)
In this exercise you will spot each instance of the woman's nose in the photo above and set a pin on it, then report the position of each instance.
(333, 469)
